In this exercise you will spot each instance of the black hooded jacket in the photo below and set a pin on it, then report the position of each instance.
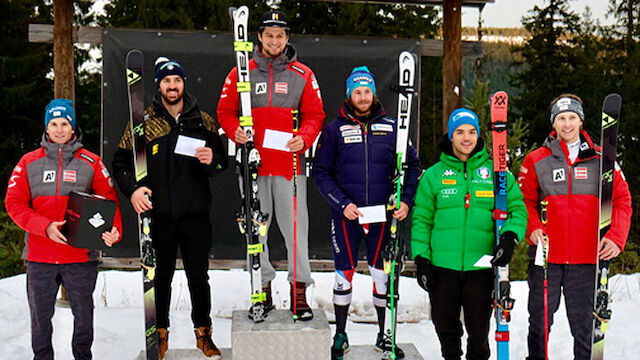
(180, 184)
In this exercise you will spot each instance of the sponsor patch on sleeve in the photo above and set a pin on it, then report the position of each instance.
(298, 69)
(87, 157)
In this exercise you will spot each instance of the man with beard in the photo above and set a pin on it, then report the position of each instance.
(179, 187)
(353, 168)
(281, 87)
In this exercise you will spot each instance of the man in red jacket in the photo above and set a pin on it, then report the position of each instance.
(279, 85)
(565, 171)
(36, 201)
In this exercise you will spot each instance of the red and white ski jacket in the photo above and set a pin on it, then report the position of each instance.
(38, 191)
(572, 192)
(278, 86)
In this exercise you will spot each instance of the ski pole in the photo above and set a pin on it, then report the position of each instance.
(296, 123)
(545, 283)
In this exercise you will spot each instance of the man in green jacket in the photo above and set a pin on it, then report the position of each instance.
(453, 228)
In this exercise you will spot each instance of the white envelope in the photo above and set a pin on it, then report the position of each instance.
(187, 145)
(484, 261)
(539, 261)
(277, 140)
(372, 214)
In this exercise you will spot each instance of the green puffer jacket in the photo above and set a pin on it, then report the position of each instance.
(453, 214)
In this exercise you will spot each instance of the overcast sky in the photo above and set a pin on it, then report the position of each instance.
(508, 13)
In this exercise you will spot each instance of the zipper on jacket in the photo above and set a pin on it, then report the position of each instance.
(270, 81)
(58, 191)
(569, 196)
(467, 204)
(366, 161)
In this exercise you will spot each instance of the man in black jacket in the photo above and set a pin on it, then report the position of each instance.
(179, 186)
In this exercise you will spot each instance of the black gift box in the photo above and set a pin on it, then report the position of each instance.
(88, 216)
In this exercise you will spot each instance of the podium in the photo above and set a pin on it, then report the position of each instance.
(279, 338)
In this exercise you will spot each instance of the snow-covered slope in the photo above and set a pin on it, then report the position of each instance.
(119, 324)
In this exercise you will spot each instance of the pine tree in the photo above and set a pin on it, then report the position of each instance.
(547, 59)
(24, 87)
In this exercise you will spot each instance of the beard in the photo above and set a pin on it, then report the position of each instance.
(171, 102)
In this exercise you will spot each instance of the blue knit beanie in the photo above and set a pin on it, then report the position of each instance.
(462, 116)
(165, 67)
(60, 108)
(360, 76)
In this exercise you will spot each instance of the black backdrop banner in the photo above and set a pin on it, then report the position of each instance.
(207, 58)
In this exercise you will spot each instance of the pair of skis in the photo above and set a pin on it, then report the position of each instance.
(608, 146)
(135, 90)
(394, 252)
(502, 300)
(251, 220)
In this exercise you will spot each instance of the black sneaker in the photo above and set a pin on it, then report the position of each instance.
(340, 346)
(383, 344)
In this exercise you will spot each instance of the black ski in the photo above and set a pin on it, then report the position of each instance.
(608, 143)
(251, 221)
(394, 252)
(135, 87)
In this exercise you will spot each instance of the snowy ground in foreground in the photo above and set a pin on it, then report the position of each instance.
(119, 316)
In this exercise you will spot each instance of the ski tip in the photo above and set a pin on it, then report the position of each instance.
(612, 104)
(232, 10)
(498, 96)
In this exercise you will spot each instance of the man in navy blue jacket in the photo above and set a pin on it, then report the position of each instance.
(353, 168)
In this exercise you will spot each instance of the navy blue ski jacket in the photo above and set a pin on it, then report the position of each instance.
(355, 161)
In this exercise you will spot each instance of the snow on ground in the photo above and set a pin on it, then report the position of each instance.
(119, 316)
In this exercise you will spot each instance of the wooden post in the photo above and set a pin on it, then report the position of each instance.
(63, 67)
(452, 59)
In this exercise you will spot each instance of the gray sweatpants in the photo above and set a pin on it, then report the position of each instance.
(276, 199)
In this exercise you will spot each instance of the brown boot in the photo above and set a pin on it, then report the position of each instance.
(303, 310)
(204, 343)
(268, 303)
(163, 342)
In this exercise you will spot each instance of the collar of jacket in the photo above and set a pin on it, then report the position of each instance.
(280, 63)
(68, 149)
(346, 113)
(189, 111)
(478, 156)
(558, 148)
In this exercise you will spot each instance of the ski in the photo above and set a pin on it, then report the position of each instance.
(135, 87)
(502, 301)
(394, 252)
(251, 221)
(608, 147)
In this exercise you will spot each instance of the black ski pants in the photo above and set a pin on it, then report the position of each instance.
(192, 235)
(43, 281)
(468, 290)
(577, 283)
